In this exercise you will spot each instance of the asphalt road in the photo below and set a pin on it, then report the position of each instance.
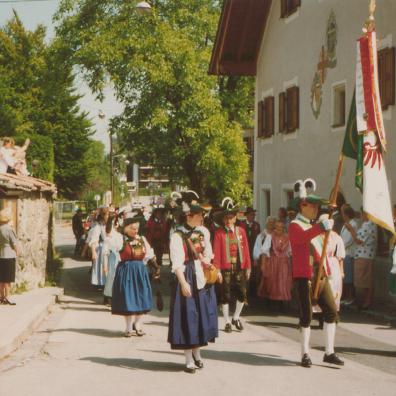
(80, 350)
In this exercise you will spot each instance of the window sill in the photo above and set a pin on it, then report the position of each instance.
(291, 16)
(338, 128)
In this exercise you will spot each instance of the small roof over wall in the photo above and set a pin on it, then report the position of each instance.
(10, 182)
(239, 34)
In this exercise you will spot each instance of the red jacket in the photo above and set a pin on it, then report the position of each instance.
(221, 255)
(156, 232)
(300, 241)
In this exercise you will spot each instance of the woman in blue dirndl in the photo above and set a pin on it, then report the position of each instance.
(95, 240)
(111, 254)
(132, 295)
(193, 318)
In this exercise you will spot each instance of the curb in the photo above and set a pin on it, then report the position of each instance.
(7, 346)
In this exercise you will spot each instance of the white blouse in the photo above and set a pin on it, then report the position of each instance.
(178, 256)
(258, 249)
(94, 234)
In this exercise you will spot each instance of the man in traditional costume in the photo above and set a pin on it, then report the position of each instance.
(232, 258)
(306, 241)
(157, 232)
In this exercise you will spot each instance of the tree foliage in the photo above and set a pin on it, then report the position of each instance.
(176, 116)
(38, 99)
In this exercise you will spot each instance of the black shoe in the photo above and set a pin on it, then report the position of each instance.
(6, 301)
(139, 332)
(228, 328)
(198, 363)
(190, 370)
(333, 359)
(306, 361)
(238, 324)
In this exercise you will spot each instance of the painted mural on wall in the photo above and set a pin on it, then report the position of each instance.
(327, 60)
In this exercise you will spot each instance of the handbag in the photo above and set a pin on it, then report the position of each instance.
(210, 273)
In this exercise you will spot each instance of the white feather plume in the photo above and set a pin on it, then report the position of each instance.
(192, 191)
(310, 184)
(175, 195)
(227, 203)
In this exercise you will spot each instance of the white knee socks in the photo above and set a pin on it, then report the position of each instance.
(197, 353)
(138, 322)
(329, 331)
(189, 358)
(305, 335)
(226, 313)
(128, 321)
(238, 310)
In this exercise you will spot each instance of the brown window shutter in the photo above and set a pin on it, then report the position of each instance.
(282, 112)
(260, 120)
(294, 5)
(284, 8)
(270, 115)
(389, 77)
(293, 109)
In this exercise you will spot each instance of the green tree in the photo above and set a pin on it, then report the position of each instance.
(37, 97)
(176, 116)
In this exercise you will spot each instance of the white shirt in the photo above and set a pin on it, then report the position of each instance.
(178, 256)
(258, 249)
(6, 159)
(94, 234)
(113, 241)
(347, 238)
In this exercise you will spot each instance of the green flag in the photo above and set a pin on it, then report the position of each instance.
(353, 145)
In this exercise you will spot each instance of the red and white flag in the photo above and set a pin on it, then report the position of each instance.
(376, 198)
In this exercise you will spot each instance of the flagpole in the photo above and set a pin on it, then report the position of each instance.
(369, 26)
(333, 207)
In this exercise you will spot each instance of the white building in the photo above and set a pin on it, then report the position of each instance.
(303, 54)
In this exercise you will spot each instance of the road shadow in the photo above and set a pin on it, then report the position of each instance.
(93, 332)
(362, 351)
(273, 325)
(246, 358)
(136, 364)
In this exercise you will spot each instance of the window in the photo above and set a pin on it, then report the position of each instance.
(289, 110)
(289, 7)
(338, 105)
(265, 125)
(386, 76)
(266, 202)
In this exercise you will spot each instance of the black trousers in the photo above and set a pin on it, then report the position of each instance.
(158, 248)
(234, 285)
(325, 301)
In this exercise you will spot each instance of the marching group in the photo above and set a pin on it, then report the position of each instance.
(219, 256)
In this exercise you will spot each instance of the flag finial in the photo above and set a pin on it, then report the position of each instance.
(369, 25)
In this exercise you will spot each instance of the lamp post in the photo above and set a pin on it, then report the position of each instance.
(143, 7)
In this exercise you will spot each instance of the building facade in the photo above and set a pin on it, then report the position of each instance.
(303, 54)
(304, 86)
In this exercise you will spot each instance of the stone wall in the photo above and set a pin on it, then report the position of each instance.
(34, 237)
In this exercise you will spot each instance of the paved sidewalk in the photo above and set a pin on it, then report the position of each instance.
(18, 322)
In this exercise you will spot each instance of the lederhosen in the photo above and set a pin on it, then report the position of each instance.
(234, 279)
(326, 302)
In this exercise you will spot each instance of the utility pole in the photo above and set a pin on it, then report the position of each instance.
(111, 168)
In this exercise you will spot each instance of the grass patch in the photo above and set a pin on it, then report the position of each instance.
(54, 271)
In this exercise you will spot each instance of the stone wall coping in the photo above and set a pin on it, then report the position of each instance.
(9, 182)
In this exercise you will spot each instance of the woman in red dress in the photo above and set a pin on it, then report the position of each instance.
(277, 266)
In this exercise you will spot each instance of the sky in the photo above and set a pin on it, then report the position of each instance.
(35, 12)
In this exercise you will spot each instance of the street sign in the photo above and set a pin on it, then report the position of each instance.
(97, 197)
